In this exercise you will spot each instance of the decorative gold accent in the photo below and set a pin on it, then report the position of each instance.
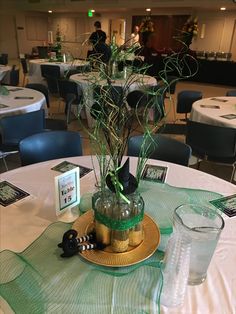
(84, 224)
(135, 237)
(103, 233)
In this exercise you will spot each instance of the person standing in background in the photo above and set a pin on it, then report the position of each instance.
(99, 35)
(134, 40)
(101, 51)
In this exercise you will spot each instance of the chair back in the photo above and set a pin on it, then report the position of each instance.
(15, 128)
(137, 99)
(14, 76)
(50, 145)
(43, 52)
(69, 87)
(185, 100)
(40, 88)
(231, 93)
(24, 65)
(4, 58)
(217, 143)
(52, 74)
(160, 147)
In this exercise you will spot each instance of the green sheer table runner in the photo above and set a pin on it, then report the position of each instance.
(38, 280)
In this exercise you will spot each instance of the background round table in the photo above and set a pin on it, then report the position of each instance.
(22, 222)
(35, 69)
(9, 105)
(87, 80)
(206, 111)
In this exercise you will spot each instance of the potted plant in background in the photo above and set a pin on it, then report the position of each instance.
(189, 30)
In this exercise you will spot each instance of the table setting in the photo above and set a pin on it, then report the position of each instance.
(220, 111)
(38, 255)
(124, 234)
(35, 70)
(17, 100)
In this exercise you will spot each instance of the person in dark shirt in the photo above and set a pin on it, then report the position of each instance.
(98, 35)
(100, 50)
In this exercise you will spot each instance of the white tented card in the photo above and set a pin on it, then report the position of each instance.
(155, 173)
(67, 190)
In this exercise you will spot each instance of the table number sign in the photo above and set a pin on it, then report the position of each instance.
(67, 194)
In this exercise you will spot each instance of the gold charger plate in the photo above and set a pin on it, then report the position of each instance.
(84, 224)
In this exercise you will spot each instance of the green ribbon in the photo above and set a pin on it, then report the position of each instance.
(120, 225)
(118, 186)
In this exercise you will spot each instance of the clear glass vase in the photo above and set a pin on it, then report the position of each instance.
(118, 223)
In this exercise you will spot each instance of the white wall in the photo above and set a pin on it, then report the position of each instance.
(218, 32)
(77, 27)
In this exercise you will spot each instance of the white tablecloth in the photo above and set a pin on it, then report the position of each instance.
(35, 69)
(86, 81)
(4, 69)
(28, 218)
(204, 111)
(18, 106)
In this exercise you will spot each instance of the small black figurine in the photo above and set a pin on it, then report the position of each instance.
(71, 244)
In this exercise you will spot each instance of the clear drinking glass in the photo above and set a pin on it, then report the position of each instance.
(203, 226)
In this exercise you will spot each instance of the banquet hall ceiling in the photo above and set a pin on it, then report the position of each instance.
(114, 5)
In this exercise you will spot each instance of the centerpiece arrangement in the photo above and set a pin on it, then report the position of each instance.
(118, 206)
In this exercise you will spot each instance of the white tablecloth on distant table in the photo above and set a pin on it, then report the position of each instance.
(18, 106)
(204, 111)
(4, 69)
(35, 69)
(87, 80)
(33, 214)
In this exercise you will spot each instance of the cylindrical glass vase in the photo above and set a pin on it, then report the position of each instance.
(136, 233)
(202, 225)
(118, 222)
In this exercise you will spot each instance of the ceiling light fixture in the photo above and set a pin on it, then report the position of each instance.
(222, 8)
(49, 11)
(148, 10)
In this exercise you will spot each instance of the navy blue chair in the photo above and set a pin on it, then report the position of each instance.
(137, 99)
(15, 128)
(160, 147)
(52, 74)
(4, 58)
(72, 94)
(212, 143)
(50, 123)
(50, 145)
(185, 100)
(24, 69)
(40, 88)
(231, 93)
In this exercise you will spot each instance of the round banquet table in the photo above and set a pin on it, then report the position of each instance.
(211, 111)
(4, 69)
(86, 81)
(30, 216)
(35, 69)
(12, 105)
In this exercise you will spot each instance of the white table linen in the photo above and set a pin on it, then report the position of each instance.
(35, 75)
(211, 115)
(138, 81)
(22, 222)
(19, 106)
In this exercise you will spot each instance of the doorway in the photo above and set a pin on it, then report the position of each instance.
(117, 29)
